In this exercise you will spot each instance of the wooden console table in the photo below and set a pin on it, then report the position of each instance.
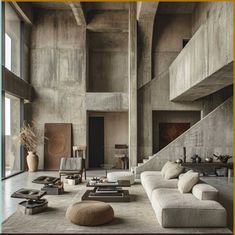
(205, 167)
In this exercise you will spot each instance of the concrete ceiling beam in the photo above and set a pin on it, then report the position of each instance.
(146, 10)
(78, 12)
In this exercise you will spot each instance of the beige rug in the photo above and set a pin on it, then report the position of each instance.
(136, 216)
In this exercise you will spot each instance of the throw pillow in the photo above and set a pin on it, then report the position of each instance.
(187, 181)
(184, 173)
(164, 168)
(173, 171)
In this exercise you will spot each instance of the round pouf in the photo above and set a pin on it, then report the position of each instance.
(121, 175)
(90, 213)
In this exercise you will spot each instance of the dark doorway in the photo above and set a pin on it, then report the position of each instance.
(96, 142)
(170, 131)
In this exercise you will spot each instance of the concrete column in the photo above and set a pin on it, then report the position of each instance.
(132, 78)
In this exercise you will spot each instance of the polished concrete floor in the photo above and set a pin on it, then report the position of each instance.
(225, 198)
(24, 180)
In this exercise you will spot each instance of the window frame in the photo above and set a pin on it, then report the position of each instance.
(22, 159)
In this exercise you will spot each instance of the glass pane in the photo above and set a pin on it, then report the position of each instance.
(12, 40)
(12, 129)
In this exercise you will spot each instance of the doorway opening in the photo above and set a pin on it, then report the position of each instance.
(107, 130)
(96, 142)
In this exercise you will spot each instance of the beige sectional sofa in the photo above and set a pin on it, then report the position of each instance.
(175, 209)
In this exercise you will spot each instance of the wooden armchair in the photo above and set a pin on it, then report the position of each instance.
(72, 166)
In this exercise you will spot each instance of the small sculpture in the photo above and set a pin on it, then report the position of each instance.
(208, 159)
(179, 161)
(222, 158)
(196, 159)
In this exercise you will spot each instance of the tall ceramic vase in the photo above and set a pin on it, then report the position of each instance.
(32, 161)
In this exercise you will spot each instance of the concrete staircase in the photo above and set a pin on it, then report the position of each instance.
(206, 137)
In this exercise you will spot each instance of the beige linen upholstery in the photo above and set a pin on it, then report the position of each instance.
(153, 179)
(173, 171)
(121, 175)
(164, 168)
(205, 192)
(187, 181)
(184, 173)
(174, 209)
(90, 213)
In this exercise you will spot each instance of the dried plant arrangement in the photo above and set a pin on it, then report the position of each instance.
(29, 137)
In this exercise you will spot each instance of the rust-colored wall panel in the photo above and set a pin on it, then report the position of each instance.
(58, 145)
(170, 131)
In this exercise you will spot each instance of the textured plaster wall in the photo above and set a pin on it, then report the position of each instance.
(58, 73)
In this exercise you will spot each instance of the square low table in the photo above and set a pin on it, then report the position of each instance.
(108, 191)
(33, 203)
(52, 185)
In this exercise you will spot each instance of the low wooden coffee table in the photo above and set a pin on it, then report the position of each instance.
(108, 191)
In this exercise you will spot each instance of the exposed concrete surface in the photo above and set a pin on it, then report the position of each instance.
(78, 12)
(108, 62)
(146, 12)
(25, 10)
(14, 85)
(169, 30)
(106, 101)
(132, 77)
(108, 21)
(199, 140)
(61, 71)
(204, 65)
(58, 70)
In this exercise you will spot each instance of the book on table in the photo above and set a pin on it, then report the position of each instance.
(94, 194)
(107, 189)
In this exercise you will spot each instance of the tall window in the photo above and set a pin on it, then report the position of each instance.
(7, 51)
(12, 159)
(12, 40)
(12, 128)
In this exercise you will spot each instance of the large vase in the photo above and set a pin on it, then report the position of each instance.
(32, 161)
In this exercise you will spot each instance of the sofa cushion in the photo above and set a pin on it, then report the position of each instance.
(205, 192)
(187, 181)
(153, 179)
(184, 173)
(173, 171)
(174, 209)
(164, 168)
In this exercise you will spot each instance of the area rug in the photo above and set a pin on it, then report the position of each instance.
(136, 216)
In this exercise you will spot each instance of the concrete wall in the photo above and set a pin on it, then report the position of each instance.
(191, 117)
(169, 32)
(115, 132)
(108, 66)
(58, 53)
(199, 139)
(205, 65)
(109, 101)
